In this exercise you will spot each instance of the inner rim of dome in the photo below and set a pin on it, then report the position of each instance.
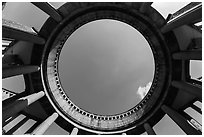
(106, 67)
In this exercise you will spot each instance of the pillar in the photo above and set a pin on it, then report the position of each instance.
(74, 131)
(149, 129)
(18, 105)
(40, 130)
(18, 70)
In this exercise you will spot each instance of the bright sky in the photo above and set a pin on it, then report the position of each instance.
(122, 62)
(103, 64)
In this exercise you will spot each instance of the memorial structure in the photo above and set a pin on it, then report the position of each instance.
(174, 42)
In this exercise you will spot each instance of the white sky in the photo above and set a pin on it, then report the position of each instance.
(103, 64)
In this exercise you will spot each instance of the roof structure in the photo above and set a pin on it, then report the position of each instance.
(35, 55)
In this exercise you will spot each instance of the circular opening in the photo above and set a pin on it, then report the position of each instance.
(106, 67)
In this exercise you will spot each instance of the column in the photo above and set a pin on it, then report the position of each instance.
(149, 129)
(40, 130)
(74, 131)
(18, 70)
(18, 105)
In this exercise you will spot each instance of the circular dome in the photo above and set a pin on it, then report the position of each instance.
(106, 67)
(102, 57)
(169, 92)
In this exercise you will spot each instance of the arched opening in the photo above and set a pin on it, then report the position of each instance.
(106, 67)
